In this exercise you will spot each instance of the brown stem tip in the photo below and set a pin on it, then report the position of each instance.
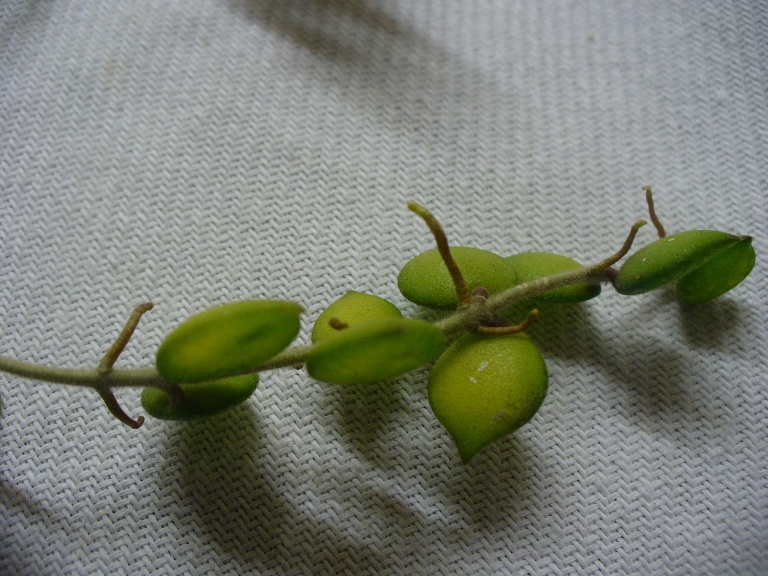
(117, 411)
(504, 330)
(462, 292)
(337, 324)
(118, 346)
(652, 212)
(608, 262)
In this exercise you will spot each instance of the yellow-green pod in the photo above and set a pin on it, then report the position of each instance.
(203, 399)
(425, 279)
(670, 258)
(534, 265)
(718, 275)
(375, 350)
(351, 309)
(226, 340)
(485, 387)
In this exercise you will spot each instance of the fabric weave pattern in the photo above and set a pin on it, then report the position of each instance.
(192, 153)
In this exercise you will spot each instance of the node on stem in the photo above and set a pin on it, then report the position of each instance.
(109, 359)
(505, 330)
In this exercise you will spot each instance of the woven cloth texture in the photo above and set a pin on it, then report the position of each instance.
(196, 152)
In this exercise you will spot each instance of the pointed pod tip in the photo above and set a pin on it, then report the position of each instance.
(466, 454)
(298, 307)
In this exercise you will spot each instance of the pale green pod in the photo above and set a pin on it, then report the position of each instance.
(425, 279)
(375, 350)
(718, 275)
(534, 265)
(226, 340)
(485, 387)
(353, 308)
(203, 399)
(670, 258)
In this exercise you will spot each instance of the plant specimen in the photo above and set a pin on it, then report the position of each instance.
(488, 379)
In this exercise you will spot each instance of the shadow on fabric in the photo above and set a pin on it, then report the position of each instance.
(226, 482)
(395, 73)
(219, 473)
(303, 21)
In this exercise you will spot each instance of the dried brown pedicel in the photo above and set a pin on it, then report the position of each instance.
(227, 340)
(375, 350)
(425, 279)
(202, 399)
(485, 387)
(351, 309)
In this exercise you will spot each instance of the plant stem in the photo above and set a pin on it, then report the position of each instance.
(466, 318)
(125, 378)
(457, 322)
(87, 377)
(469, 318)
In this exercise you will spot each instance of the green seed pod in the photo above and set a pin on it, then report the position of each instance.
(203, 399)
(718, 275)
(425, 279)
(671, 258)
(485, 387)
(533, 265)
(227, 340)
(375, 350)
(353, 308)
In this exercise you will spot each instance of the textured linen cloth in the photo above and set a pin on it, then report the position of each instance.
(195, 152)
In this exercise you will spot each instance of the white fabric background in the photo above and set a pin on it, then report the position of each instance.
(199, 151)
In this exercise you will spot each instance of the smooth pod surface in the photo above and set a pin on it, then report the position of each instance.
(353, 308)
(533, 265)
(375, 350)
(227, 340)
(425, 279)
(485, 387)
(723, 272)
(670, 258)
(203, 399)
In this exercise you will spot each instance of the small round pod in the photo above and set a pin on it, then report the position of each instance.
(425, 279)
(203, 399)
(534, 265)
(669, 259)
(723, 272)
(351, 309)
(227, 340)
(483, 388)
(375, 350)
